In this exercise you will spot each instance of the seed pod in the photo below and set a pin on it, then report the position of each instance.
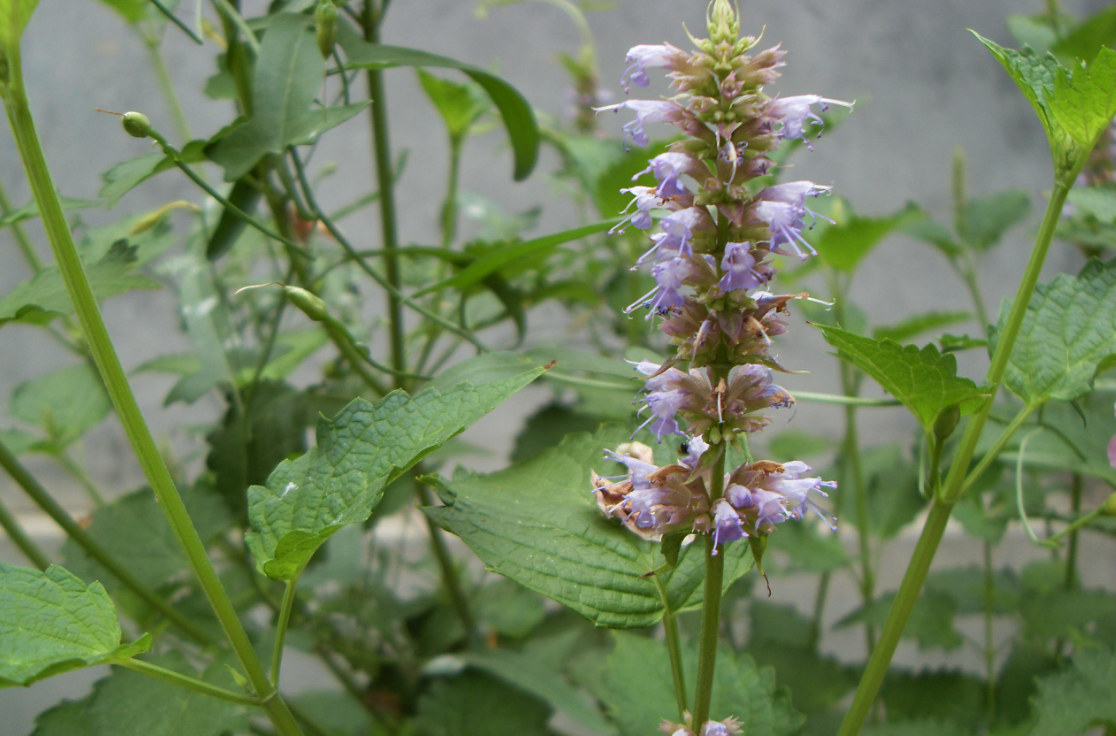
(325, 16)
(310, 304)
(136, 124)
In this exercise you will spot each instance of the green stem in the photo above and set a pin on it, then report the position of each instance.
(386, 183)
(711, 606)
(22, 241)
(860, 488)
(81, 476)
(281, 629)
(843, 400)
(998, 446)
(116, 381)
(445, 560)
(943, 504)
(356, 361)
(989, 642)
(814, 635)
(21, 539)
(174, 19)
(449, 207)
(1071, 552)
(674, 650)
(166, 86)
(54, 510)
(162, 673)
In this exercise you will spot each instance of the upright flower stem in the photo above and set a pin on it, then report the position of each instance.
(116, 381)
(711, 605)
(21, 539)
(935, 526)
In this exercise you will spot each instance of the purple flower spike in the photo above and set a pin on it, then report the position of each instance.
(667, 167)
(646, 199)
(794, 111)
(645, 56)
(669, 276)
(664, 405)
(739, 267)
(786, 225)
(727, 526)
(647, 111)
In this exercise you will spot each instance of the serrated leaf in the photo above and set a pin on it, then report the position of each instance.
(845, 244)
(1068, 332)
(925, 381)
(930, 623)
(360, 451)
(919, 324)
(289, 73)
(538, 524)
(637, 688)
(1072, 701)
(459, 105)
(51, 622)
(940, 695)
(1034, 75)
(475, 703)
(1085, 102)
(519, 120)
(45, 297)
(65, 404)
(988, 218)
(14, 15)
(128, 703)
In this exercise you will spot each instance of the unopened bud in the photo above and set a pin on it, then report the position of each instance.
(724, 25)
(310, 304)
(325, 16)
(1109, 507)
(136, 124)
(947, 422)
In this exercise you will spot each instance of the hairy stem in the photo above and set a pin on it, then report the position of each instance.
(711, 605)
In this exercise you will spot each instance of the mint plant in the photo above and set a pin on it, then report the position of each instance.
(623, 548)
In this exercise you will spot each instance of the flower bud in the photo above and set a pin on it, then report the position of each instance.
(947, 422)
(325, 16)
(1109, 507)
(724, 26)
(136, 124)
(310, 304)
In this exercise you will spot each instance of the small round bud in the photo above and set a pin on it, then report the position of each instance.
(1109, 507)
(947, 422)
(325, 16)
(136, 124)
(310, 304)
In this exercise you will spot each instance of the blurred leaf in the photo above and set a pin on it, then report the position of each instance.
(519, 120)
(338, 713)
(916, 728)
(939, 695)
(51, 623)
(45, 297)
(1098, 201)
(65, 404)
(1032, 30)
(1083, 696)
(17, 442)
(808, 547)
(128, 703)
(919, 324)
(1068, 333)
(797, 444)
(924, 380)
(572, 553)
(127, 175)
(133, 11)
(1016, 682)
(957, 343)
(210, 331)
(965, 585)
(1084, 427)
(289, 73)
(546, 428)
(1086, 39)
(474, 703)
(459, 105)
(988, 218)
(934, 233)
(509, 609)
(621, 174)
(360, 451)
(845, 244)
(244, 195)
(31, 209)
(930, 623)
(1063, 613)
(892, 489)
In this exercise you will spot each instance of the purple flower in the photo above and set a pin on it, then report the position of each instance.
(793, 192)
(638, 469)
(658, 381)
(728, 727)
(785, 221)
(667, 167)
(664, 405)
(669, 276)
(794, 111)
(727, 526)
(646, 199)
(739, 267)
(693, 448)
(647, 111)
(645, 56)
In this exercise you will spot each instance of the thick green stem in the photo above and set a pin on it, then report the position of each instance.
(20, 235)
(386, 182)
(21, 539)
(116, 381)
(674, 650)
(73, 530)
(711, 604)
(162, 673)
(943, 504)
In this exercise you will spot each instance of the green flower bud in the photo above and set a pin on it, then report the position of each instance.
(310, 304)
(325, 16)
(947, 422)
(723, 22)
(1109, 507)
(136, 124)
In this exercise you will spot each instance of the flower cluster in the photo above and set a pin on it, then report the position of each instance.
(711, 257)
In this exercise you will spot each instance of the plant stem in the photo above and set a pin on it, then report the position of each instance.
(116, 381)
(998, 446)
(281, 628)
(449, 207)
(73, 530)
(82, 477)
(814, 635)
(860, 488)
(843, 400)
(445, 559)
(174, 19)
(989, 642)
(186, 681)
(711, 605)
(356, 361)
(20, 235)
(951, 490)
(21, 539)
(674, 650)
(1071, 552)
(386, 182)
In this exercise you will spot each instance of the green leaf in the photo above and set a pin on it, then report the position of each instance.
(289, 74)
(31, 209)
(538, 524)
(966, 586)
(636, 687)
(919, 324)
(507, 255)
(51, 623)
(988, 218)
(892, 487)
(1068, 332)
(65, 404)
(14, 15)
(925, 381)
(45, 297)
(546, 428)
(845, 244)
(934, 233)
(1085, 102)
(509, 609)
(1076, 441)
(1034, 75)
(940, 695)
(338, 713)
(128, 703)
(1083, 696)
(1085, 40)
(17, 442)
(930, 623)
(360, 451)
(808, 548)
(621, 174)
(474, 703)
(917, 728)
(459, 104)
(519, 120)
(133, 11)
(1098, 201)
(127, 175)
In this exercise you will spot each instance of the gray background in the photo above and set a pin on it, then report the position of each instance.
(922, 82)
